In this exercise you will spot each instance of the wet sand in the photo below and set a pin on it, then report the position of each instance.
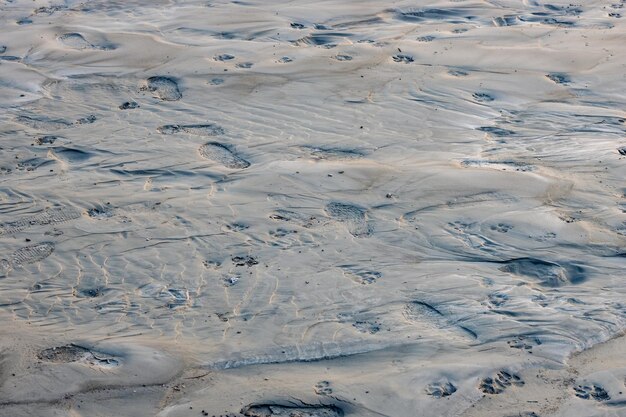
(255, 208)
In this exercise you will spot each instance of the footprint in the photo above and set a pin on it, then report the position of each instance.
(370, 327)
(497, 299)
(100, 213)
(75, 353)
(176, 297)
(129, 105)
(245, 65)
(208, 129)
(271, 410)
(230, 280)
(297, 25)
(46, 140)
(88, 292)
(482, 97)
(342, 57)
(549, 274)
(50, 216)
(500, 382)
(31, 254)
(440, 390)
(419, 311)
(323, 388)
(332, 153)
(223, 155)
(285, 60)
(224, 57)
(77, 41)
(355, 218)
(596, 392)
(245, 261)
(403, 58)
(43, 123)
(86, 120)
(164, 88)
(523, 342)
(501, 227)
(496, 131)
(362, 276)
(427, 38)
(559, 78)
(301, 219)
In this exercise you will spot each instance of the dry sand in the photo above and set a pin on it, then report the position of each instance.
(295, 208)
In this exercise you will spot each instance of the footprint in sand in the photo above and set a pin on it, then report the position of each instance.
(323, 388)
(77, 41)
(31, 254)
(164, 88)
(593, 391)
(440, 390)
(223, 155)
(499, 382)
(355, 218)
(50, 216)
(271, 410)
(79, 354)
(209, 129)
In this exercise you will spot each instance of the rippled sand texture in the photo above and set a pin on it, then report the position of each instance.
(295, 208)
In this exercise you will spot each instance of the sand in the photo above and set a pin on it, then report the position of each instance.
(293, 208)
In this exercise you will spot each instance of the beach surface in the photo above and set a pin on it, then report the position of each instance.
(269, 208)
